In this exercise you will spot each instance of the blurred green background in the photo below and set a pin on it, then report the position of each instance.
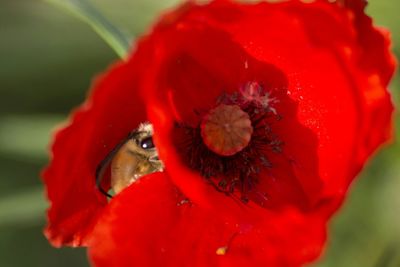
(47, 61)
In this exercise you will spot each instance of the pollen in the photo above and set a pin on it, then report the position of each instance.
(226, 129)
(221, 251)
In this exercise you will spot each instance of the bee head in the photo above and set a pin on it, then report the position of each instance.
(143, 139)
(133, 158)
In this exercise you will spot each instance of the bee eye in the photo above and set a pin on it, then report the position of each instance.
(147, 143)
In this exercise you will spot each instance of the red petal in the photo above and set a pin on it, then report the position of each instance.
(113, 110)
(315, 58)
(329, 103)
(149, 225)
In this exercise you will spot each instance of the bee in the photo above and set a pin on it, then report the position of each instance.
(134, 157)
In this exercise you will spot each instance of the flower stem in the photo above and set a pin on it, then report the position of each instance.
(84, 9)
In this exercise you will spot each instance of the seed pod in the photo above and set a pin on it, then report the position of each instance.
(226, 129)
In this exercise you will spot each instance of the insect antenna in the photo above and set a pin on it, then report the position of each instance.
(100, 172)
(101, 168)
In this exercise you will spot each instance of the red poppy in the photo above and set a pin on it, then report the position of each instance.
(263, 114)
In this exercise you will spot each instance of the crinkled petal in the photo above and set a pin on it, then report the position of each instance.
(330, 101)
(112, 110)
(328, 68)
(167, 230)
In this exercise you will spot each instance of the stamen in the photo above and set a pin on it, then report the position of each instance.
(221, 251)
(231, 144)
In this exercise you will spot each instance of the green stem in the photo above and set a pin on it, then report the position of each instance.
(88, 13)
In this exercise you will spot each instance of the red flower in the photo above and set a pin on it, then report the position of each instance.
(263, 114)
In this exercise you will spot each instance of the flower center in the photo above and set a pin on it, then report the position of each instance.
(232, 142)
(226, 129)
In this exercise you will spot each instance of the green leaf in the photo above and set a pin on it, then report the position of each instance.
(115, 38)
(24, 208)
(26, 137)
